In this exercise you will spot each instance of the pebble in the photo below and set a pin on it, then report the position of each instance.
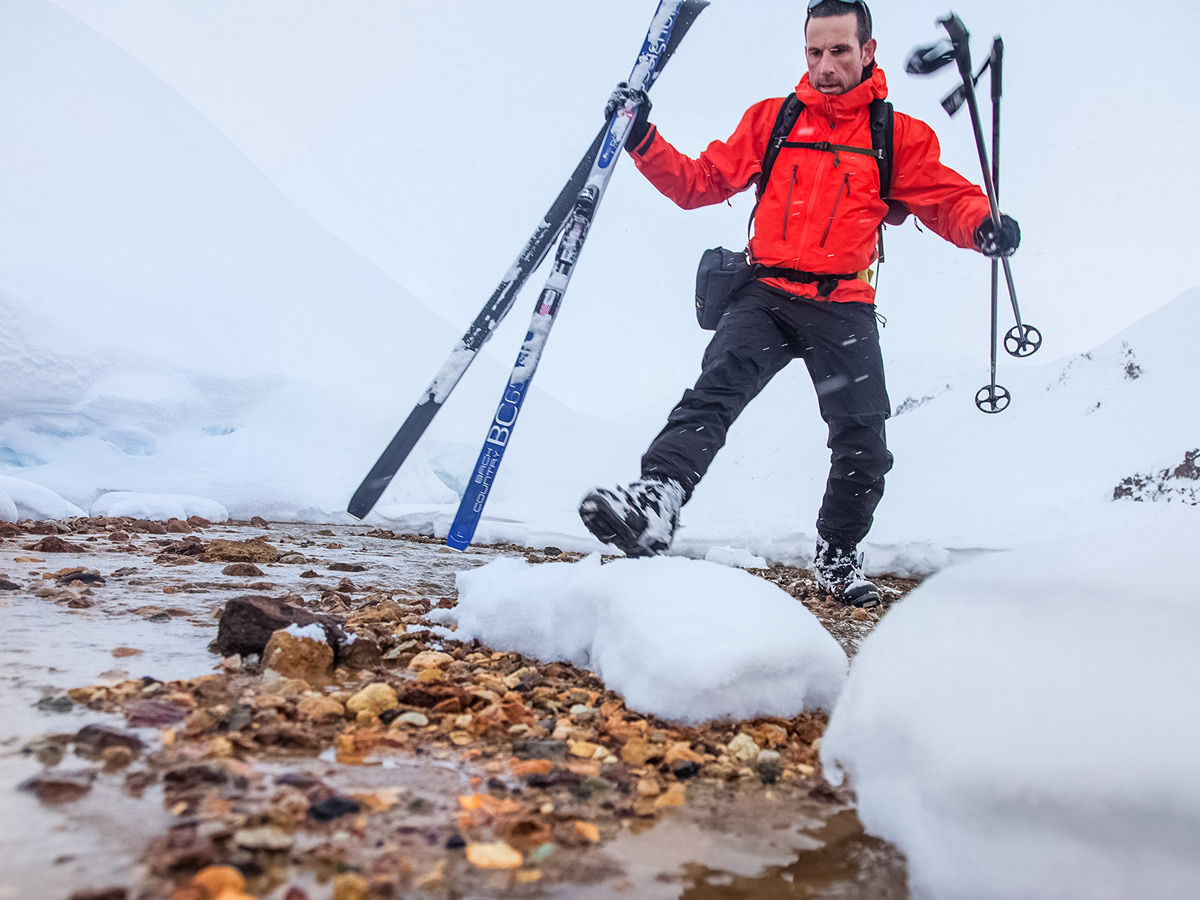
(430, 659)
(411, 718)
(769, 766)
(494, 855)
(743, 749)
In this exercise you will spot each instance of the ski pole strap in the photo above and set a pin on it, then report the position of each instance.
(825, 282)
(835, 149)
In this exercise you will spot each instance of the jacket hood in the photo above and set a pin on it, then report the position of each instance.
(873, 87)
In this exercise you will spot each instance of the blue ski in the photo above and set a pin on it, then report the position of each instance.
(655, 46)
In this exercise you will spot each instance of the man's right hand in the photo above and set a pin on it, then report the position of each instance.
(641, 121)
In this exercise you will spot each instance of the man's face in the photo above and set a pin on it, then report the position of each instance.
(835, 58)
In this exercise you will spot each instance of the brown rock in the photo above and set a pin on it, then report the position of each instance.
(92, 740)
(362, 654)
(299, 657)
(254, 551)
(638, 752)
(198, 522)
(54, 544)
(317, 708)
(681, 752)
(178, 526)
(373, 699)
(118, 537)
(59, 787)
(243, 570)
(249, 621)
(347, 567)
(430, 659)
(259, 522)
(350, 886)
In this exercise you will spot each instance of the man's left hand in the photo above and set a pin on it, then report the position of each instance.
(996, 243)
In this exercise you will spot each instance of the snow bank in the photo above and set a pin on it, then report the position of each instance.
(1024, 725)
(158, 506)
(20, 499)
(686, 640)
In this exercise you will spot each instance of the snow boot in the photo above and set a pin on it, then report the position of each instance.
(639, 518)
(839, 571)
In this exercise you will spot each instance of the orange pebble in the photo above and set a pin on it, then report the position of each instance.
(218, 880)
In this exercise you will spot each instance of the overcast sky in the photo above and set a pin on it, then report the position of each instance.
(431, 137)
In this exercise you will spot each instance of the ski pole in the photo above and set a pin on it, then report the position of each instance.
(1023, 340)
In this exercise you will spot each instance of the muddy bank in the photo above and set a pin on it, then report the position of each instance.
(353, 755)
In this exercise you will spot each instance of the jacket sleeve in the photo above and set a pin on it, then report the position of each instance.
(945, 201)
(724, 169)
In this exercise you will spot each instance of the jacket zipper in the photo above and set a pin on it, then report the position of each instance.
(845, 188)
(787, 207)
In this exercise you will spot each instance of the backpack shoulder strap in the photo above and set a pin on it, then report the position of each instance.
(785, 121)
(882, 129)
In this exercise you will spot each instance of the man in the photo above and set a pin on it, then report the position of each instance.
(815, 227)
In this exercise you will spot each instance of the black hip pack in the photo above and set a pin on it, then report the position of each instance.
(721, 274)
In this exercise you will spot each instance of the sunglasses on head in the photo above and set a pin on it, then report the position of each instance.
(815, 3)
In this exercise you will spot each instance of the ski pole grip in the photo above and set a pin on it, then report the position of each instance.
(997, 69)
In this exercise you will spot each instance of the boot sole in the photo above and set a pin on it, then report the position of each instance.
(609, 528)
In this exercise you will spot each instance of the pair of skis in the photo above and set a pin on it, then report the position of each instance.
(570, 216)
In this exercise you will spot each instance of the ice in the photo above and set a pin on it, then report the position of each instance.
(1025, 726)
(686, 640)
(32, 501)
(158, 506)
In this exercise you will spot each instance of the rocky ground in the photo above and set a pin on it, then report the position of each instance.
(333, 747)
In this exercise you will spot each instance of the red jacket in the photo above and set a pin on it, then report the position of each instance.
(820, 212)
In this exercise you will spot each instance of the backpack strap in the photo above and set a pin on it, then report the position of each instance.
(882, 128)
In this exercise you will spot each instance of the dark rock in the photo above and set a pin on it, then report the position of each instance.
(41, 528)
(249, 621)
(154, 714)
(333, 808)
(259, 522)
(685, 769)
(55, 544)
(158, 618)
(6, 585)
(243, 570)
(553, 551)
(388, 716)
(112, 893)
(348, 586)
(455, 842)
(347, 567)
(188, 777)
(81, 576)
(118, 537)
(239, 718)
(59, 787)
(8, 529)
(531, 749)
(60, 703)
(92, 740)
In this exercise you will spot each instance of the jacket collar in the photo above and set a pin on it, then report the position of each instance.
(873, 87)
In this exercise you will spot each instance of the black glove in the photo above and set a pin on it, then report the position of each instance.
(641, 120)
(993, 244)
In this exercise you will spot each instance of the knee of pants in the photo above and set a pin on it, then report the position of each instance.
(860, 449)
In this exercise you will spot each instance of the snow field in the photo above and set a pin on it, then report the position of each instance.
(686, 640)
(1024, 725)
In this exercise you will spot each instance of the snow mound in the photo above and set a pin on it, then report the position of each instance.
(20, 499)
(158, 506)
(686, 640)
(1024, 725)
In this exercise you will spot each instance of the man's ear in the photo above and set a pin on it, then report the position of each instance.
(868, 52)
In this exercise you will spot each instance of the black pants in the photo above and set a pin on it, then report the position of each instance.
(763, 331)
